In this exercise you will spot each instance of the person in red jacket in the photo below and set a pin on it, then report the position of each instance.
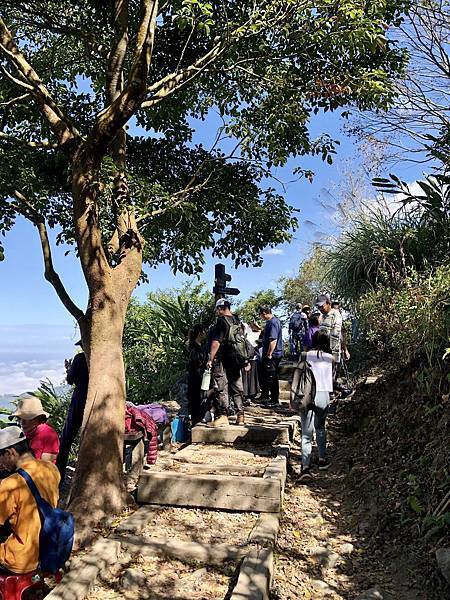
(41, 436)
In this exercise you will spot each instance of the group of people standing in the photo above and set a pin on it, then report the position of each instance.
(242, 361)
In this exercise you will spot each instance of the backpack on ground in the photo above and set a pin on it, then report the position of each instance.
(57, 531)
(303, 387)
(237, 351)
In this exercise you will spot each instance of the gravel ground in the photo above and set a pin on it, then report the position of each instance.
(162, 579)
(197, 525)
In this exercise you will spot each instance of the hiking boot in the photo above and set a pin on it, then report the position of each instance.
(271, 402)
(305, 475)
(240, 419)
(347, 393)
(221, 421)
(324, 464)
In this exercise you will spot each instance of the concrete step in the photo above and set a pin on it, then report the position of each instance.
(230, 434)
(286, 369)
(285, 385)
(232, 492)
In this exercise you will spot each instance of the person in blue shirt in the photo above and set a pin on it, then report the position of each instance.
(272, 353)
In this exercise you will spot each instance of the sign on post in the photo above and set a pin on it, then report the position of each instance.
(221, 278)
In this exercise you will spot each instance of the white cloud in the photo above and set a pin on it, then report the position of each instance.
(17, 377)
(274, 252)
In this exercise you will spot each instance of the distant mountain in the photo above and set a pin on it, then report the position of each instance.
(7, 399)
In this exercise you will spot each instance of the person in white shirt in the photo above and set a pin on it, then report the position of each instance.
(321, 361)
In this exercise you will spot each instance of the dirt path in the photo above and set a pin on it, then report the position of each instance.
(334, 544)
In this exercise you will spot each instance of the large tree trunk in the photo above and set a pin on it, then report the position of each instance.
(98, 488)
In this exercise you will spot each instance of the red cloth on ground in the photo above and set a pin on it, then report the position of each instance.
(43, 439)
(138, 420)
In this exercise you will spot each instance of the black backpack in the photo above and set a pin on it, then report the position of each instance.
(236, 346)
(296, 323)
(303, 387)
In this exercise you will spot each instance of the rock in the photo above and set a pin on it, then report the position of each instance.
(346, 549)
(374, 593)
(199, 573)
(443, 561)
(325, 557)
(133, 579)
(125, 558)
(322, 586)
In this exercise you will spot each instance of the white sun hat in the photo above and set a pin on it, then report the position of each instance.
(29, 408)
(11, 435)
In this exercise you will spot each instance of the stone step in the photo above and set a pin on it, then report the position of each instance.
(286, 369)
(284, 384)
(231, 434)
(231, 492)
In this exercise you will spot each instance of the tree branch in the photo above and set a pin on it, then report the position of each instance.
(50, 274)
(119, 49)
(173, 82)
(60, 125)
(27, 143)
(16, 100)
(119, 112)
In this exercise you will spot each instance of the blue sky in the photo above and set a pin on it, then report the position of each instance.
(36, 331)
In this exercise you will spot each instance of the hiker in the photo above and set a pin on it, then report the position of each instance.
(227, 355)
(250, 377)
(196, 365)
(78, 375)
(306, 310)
(331, 323)
(272, 353)
(20, 552)
(321, 361)
(298, 326)
(41, 436)
(313, 326)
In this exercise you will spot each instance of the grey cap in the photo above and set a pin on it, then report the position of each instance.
(323, 299)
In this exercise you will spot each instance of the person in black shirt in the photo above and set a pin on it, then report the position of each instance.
(196, 366)
(78, 375)
(226, 373)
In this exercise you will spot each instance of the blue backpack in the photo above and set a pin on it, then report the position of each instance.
(57, 531)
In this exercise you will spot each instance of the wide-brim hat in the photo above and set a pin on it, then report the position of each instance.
(29, 408)
(11, 435)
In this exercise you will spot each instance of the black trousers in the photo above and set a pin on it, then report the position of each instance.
(227, 383)
(270, 387)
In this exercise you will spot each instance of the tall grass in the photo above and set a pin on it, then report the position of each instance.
(379, 249)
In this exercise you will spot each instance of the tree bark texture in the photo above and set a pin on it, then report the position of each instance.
(98, 487)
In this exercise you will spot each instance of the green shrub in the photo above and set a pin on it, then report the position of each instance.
(155, 339)
(412, 322)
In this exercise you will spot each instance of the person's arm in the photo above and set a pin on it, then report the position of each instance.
(215, 345)
(48, 457)
(271, 349)
(72, 373)
(7, 501)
